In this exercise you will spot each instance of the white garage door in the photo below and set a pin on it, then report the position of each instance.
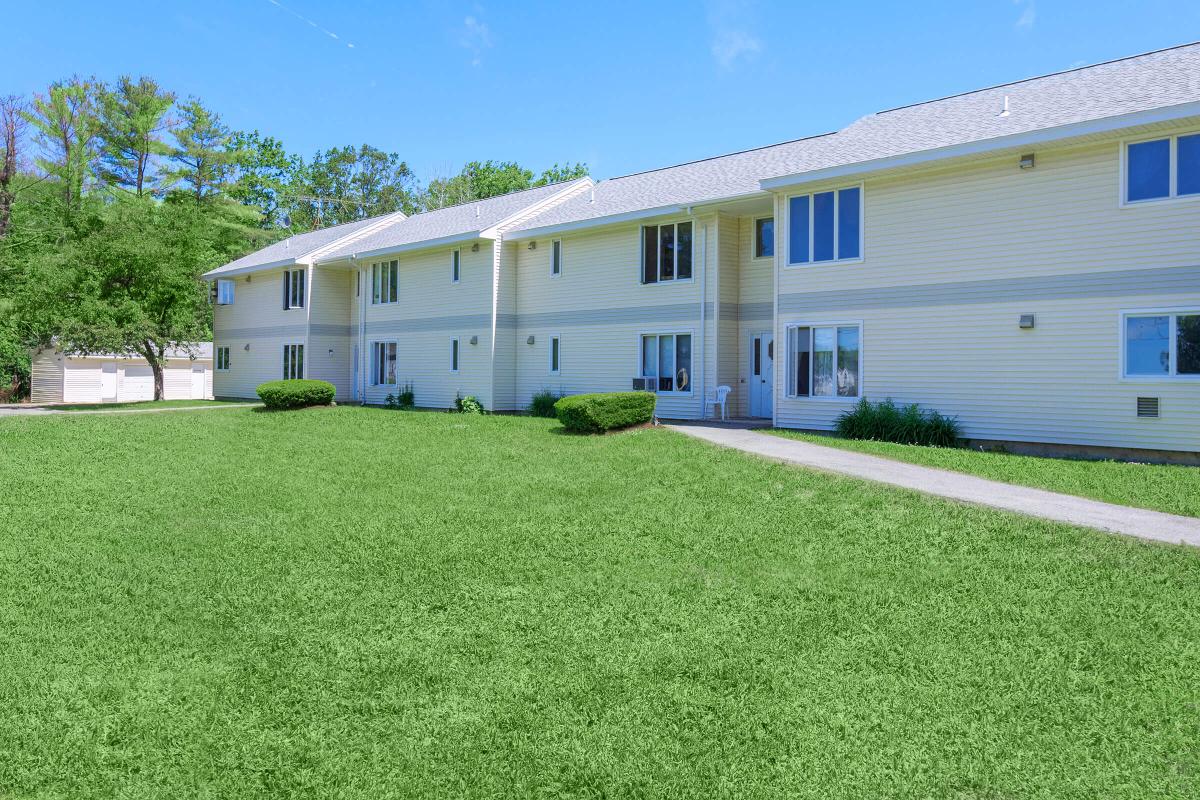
(137, 383)
(177, 383)
(81, 382)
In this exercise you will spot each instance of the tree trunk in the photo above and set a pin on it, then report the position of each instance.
(154, 359)
(10, 122)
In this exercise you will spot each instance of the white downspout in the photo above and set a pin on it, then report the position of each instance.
(308, 353)
(703, 299)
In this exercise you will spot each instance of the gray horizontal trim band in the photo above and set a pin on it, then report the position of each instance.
(327, 329)
(267, 332)
(1043, 287)
(675, 312)
(456, 322)
(753, 311)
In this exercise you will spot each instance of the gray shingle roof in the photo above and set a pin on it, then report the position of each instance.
(302, 244)
(1139, 83)
(465, 220)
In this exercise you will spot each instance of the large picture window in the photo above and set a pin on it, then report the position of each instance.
(1162, 168)
(667, 252)
(383, 363)
(1162, 344)
(825, 226)
(668, 357)
(385, 282)
(293, 289)
(293, 361)
(824, 360)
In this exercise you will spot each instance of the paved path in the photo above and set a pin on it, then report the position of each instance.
(957, 486)
(33, 411)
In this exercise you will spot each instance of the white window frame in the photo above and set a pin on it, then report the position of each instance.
(837, 223)
(555, 340)
(642, 249)
(1172, 172)
(376, 361)
(455, 354)
(691, 390)
(218, 361)
(789, 390)
(1172, 343)
(381, 270)
(754, 256)
(289, 288)
(224, 284)
(284, 367)
(455, 265)
(556, 250)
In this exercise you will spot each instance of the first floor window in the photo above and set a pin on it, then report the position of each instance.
(383, 363)
(556, 257)
(667, 252)
(825, 226)
(1162, 345)
(385, 282)
(455, 262)
(554, 355)
(293, 289)
(668, 357)
(222, 358)
(824, 360)
(1162, 168)
(293, 361)
(224, 292)
(764, 237)
(454, 355)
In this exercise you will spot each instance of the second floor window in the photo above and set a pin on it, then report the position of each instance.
(764, 237)
(1162, 168)
(825, 226)
(385, 282)
(667, 252)
(455, 262)
(293, 289)
(556, 257)
(224, 292)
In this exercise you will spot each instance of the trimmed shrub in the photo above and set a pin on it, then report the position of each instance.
(543, 402)
(596, 413)
(296, 393)
(468, 405)
(887, 422)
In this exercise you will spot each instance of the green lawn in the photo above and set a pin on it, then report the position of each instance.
(363, 603)
(1174, 489)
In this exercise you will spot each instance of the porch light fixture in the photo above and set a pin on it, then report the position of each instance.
(475, 247)
(1027, 161)
(1026, 321)
(530, 339)
(533, 245)
(474, 340)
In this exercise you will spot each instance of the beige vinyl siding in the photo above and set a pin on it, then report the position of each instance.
(330, 335)
(504, 367)
(255, 328)
(723, 347)
(755, 301)
(46, 376)
(952, 257)
(429, 312)
(599, 308)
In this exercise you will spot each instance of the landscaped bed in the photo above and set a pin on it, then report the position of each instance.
(1162, 487)
(357, 603)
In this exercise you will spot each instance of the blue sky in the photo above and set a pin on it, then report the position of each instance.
(624, 86)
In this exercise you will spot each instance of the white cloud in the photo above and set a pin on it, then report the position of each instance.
(476, 37)
(731, 24)
(1028, 15)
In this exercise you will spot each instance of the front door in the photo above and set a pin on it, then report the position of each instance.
(762, 374)
(108, 381)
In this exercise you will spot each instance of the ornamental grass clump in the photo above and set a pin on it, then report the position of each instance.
(888, 422)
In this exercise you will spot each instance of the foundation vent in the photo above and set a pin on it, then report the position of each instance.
(1147, 406)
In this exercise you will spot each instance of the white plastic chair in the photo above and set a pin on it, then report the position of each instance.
(716, 398)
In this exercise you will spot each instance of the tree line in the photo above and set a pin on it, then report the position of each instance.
(116, 197)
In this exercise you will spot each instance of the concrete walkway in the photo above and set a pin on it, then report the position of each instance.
(35, 411)
(955, 485)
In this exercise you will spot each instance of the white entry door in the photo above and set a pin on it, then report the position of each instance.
(197, 382)
(762, 374)
(108, 381)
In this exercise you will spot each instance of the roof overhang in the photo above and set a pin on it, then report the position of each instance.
(225, 272)
(423, 244)
(984, 146)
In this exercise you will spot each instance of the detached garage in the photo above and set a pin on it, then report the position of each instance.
(59, 378)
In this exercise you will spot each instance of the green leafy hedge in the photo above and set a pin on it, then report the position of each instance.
(296, 393)
(596, 413)
(887, 422)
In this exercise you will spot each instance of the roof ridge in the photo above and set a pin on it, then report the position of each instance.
(497, 196)
(1033, 78)
(720, 155)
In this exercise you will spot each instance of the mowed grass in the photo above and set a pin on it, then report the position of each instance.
(1161, 487)
(143, 405)
(362, 603)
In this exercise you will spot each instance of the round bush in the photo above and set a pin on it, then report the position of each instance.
(296, 393)
(596, 413)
